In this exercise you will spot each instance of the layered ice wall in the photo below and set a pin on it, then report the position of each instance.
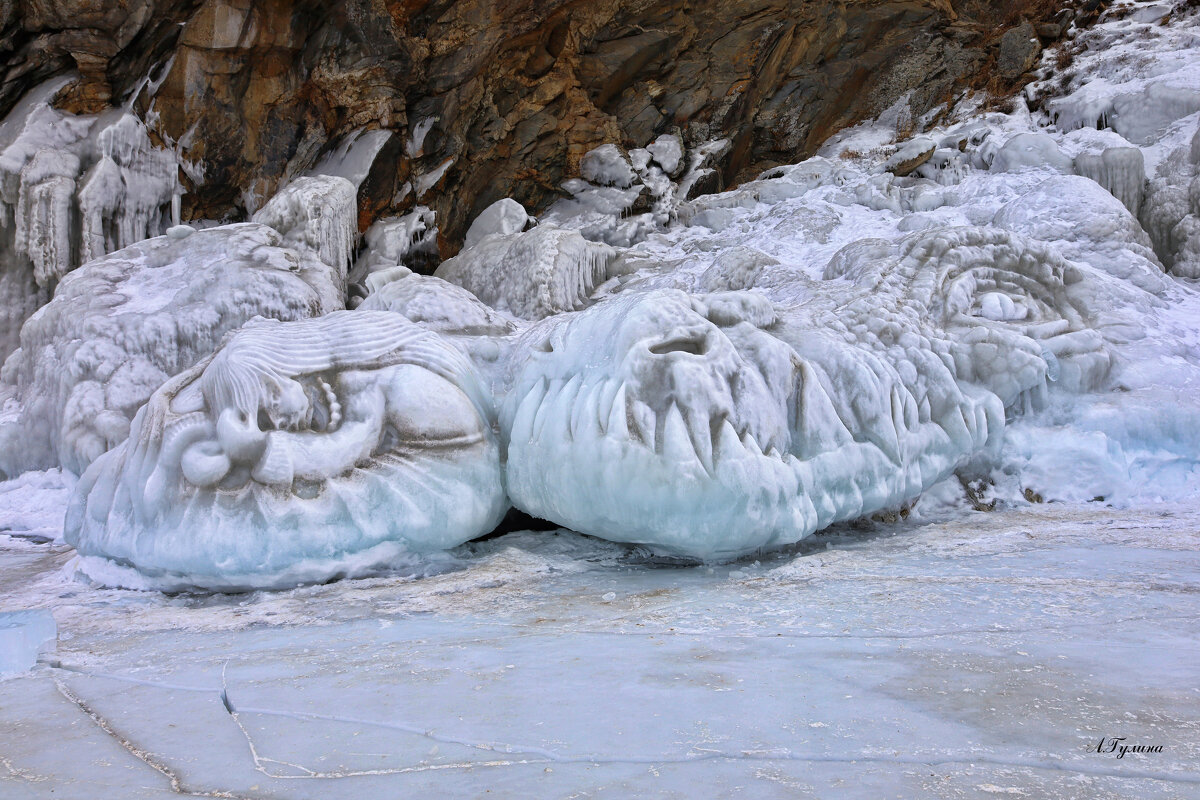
(119, 326)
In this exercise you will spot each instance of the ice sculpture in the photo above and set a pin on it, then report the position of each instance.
(712, 426)
(121, 325)
(300, 451)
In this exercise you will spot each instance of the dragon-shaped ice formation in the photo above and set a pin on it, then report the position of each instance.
(715, 425)
(300, 451)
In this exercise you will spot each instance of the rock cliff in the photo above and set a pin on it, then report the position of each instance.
(494, 98)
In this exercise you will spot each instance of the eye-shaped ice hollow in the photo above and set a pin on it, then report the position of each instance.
(298, 452)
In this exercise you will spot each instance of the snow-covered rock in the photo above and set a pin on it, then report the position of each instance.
(318, 212)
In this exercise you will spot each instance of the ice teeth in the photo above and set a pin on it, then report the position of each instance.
(583, 413)
(564, 404)
(677, 445)
(604, 406)
(702, 443)
(729, 446)
(751, 444)
(618, 422)
(644, 421)
(522, 427)
(897, 405)
(553, 391)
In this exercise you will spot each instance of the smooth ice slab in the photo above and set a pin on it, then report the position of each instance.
(23, 635)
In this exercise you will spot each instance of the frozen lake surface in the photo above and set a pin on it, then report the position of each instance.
(979, 655)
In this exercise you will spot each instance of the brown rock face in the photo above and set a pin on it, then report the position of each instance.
(491, 98)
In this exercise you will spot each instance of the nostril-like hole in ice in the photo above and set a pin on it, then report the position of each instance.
(264, 420)
(544, 347)
(694, 346)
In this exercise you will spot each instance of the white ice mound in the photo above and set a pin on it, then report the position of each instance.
(712, 426)
(1088, 225)
(502, 217)
(543, 271)
(319, 212)
(1027, 150)
(299, 452)
(120, 326)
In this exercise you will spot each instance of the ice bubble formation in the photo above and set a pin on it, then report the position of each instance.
(1003, 298)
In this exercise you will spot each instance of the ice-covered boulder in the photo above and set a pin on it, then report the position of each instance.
(121, 325)
(502, 217)
(1031, 150)
(1088, 225)
(318, 212)
(543, 271)
(300, 451)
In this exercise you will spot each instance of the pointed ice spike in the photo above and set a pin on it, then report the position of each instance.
(522, 427)
(751, 444)
(560, 411)
(583, 413)
(702, 443)
(608, 396)
(644, 419)
(618, 422)
(729, 446)
(677, 445)
(553, 391)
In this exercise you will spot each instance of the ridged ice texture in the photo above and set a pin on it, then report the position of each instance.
(1171, 211)
(74, 188)
(713, 426)
(299, 452)
(319, 212)
(121, 325)
(534, 274)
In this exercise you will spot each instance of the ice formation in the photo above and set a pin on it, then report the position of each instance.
(74, 188)
(121, 325)
(715, 425)
(621, 198)
(317, 212)
(531, 274)
(300, 451)
(391, 242)
(1003, 298)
